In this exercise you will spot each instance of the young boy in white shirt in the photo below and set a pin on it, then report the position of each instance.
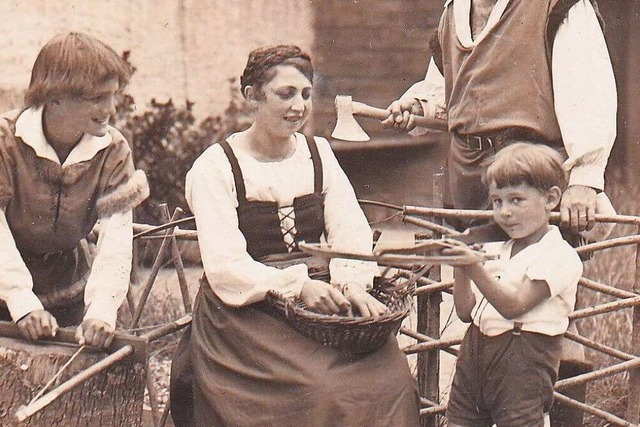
(517, 303)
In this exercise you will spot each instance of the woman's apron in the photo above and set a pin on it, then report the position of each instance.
(250, 368)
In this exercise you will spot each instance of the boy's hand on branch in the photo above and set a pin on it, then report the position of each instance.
(402, 114)
(38, 324)
(324, 298)
(465, 255)
(365, 304)
(95, 333)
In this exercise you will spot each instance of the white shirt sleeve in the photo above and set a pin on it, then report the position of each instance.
(347, 228)
(111, 269)
(561, 269)
(16, 284)
(585, 95)
(236, 278)
(430, 92)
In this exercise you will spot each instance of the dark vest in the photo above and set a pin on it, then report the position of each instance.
(503, 82)
(259, 221)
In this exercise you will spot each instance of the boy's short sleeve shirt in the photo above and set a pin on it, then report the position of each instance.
(551, 260)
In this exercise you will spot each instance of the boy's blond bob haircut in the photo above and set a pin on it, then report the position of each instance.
(72, 65)
(536, 165)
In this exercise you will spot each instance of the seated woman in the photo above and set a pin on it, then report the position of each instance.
(63, 168)
(257, 194)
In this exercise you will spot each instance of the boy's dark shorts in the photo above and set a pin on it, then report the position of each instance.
(507, 379)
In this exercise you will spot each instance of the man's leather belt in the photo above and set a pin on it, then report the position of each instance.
(481, 142)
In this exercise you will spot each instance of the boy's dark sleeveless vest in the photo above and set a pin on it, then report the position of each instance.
(259, 221)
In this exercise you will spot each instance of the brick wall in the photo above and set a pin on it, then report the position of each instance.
(370, 49)
(374, 50)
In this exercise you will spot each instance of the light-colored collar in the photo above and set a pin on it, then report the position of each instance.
(462, 16)
(551, 237)
(29, 129)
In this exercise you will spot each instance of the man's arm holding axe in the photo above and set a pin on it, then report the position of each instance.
(421, 107)
(425, 98)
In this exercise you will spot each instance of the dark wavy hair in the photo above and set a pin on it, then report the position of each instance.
(537, 165)
(73, 64)
(262, 61)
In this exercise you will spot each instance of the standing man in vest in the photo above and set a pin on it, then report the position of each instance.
(520, 69)
(505, 70)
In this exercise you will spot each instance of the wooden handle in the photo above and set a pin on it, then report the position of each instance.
(68, 336)
(364, 110)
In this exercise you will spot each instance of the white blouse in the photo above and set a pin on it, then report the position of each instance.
(236, 278)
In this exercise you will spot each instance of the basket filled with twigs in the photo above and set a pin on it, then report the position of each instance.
(356, 334)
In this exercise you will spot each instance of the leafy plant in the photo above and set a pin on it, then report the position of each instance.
(166, 139)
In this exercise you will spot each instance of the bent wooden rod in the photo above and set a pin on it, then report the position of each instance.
(488, 214)
(120, 354)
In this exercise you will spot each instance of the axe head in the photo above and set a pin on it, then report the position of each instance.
(347, 128)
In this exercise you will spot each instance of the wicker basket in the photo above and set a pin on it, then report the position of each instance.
(354, 334)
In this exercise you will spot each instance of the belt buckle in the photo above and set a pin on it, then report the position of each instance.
(479, 143)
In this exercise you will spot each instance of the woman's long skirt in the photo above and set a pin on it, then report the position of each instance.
(251, 368)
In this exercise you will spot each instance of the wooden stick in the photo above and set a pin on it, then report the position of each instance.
(315, 249)
(487, 214)
(145, 229)
(612, 419)
(600, 373)
(605, 308)
(179, 266)
(57, 375)
(155, 269)
(430, 226)
(36, 405)
(168, 328)
(25, 412)
(609, 243)
(66, 336)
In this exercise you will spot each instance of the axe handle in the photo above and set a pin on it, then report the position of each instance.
(364, 110)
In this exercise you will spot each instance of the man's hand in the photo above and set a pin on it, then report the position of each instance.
(38, 324)
(363, 301)
(95, 333)
(402, 114)
(578, 208)
(323, 298)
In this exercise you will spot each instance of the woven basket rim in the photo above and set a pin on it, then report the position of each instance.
(290, 308)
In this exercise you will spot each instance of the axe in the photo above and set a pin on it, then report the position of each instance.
(348, 129)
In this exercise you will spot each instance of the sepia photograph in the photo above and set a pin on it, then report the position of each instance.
(319, 213)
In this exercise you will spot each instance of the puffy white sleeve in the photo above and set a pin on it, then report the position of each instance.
(235, 277)
(431, 95)
(585, 95)
(111, 269)
(347, 229)
(16, 284)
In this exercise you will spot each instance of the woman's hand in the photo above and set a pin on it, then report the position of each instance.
(95, 333)
(324, 298)
(38, 324)
(466, 255)
(366, 305)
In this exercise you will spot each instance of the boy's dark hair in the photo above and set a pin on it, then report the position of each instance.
(73, 64)
(537, 165)
(262, 61)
